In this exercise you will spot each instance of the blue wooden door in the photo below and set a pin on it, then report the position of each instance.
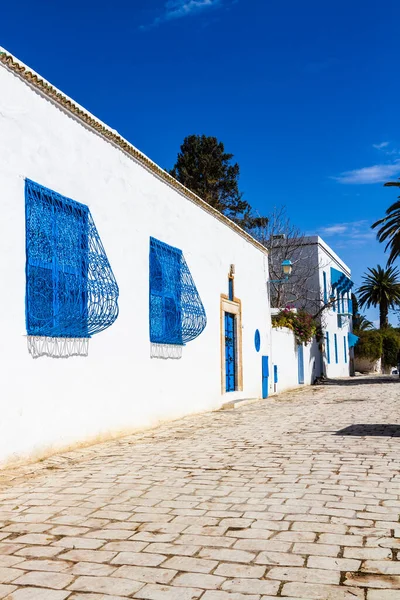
(300, 361)
(265, 376)
(230, 352)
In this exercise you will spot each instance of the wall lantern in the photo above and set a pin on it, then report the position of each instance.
(287, 268)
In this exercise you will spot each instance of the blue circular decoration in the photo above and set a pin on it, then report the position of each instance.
(257, 340)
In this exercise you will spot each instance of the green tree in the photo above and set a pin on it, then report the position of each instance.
(381, 287)
(206, 169)
(361, 323)
(370, 345)
(389, 227)
(390, 347)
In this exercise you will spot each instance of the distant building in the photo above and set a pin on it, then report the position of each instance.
(322, 285)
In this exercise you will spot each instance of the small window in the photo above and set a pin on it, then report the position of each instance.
(345, 348)
(230, 288)
(325, 289)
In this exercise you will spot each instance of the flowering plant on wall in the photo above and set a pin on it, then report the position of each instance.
(301, 323)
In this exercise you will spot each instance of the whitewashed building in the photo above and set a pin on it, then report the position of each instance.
(326, 289)
(126, 300)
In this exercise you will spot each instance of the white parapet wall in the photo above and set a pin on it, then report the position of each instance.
(123, 384)
(285, 356)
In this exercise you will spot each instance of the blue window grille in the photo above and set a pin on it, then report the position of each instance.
(345, 348)
(177, 315)
(336, 349)
(328, 350)
(325, 289)
(71, 290)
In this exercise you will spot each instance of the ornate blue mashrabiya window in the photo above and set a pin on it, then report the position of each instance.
(177, 315)
(71, 291)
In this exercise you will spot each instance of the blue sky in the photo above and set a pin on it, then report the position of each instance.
(304, 94)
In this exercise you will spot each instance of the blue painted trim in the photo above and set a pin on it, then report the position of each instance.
(336, 349)
(230, 288)
(257, 340)
(328, 350)
(325, 289)
(345, 348)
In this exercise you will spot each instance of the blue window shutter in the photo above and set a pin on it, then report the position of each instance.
(336, 349)
(71, 290)
(328, 350)
(176, 312)
(325, 289)
(345, 348)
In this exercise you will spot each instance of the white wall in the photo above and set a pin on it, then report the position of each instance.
(48, 403)
(285, 357)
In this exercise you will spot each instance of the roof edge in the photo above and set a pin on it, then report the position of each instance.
(111, 135)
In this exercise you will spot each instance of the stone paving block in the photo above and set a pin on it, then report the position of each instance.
(172, 549)
(34, 593)
(388, 567)
(221, 595)
(367, 553)
(163, 592)
(106, 585)
(146, 574)
(382, 595)
(9, 574)
(334, 564)
(303, 575)
(240, 571)
(251, 586)
(48, 579)
(321, 592)
(5, 590)
(390, 582)
(282, 559)
(92, 569)
(139, 559)
(198, 580)
(316, 549)
(227, 555)
(79, 542)
(96, 556)
(187, 563)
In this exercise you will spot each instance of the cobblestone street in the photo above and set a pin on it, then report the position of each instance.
(296, 496)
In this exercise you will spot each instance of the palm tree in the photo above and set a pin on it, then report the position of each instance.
(361, 323)
(381, 287)
(389, 231)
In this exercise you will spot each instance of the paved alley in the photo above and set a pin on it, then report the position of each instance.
(297, 496)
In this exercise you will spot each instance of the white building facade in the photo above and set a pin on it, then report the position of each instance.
(126, 299)
(325, 292)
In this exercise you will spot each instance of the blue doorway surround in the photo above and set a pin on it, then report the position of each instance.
(300, 362)
(230, 353)
(265, 376)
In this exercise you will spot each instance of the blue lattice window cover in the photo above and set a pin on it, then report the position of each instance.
(177, 314)
(71, 290)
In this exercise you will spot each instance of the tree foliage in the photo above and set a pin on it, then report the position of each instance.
(381, 287)
(390, 347)
(389, 227)
(369, 345)
(206, 169)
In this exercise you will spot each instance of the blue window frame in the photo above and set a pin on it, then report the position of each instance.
(328, 350)
(70, 288)
(345, 348)
(325, 289)
(176, 312)
(336, 349)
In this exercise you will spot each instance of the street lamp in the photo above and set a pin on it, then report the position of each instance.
(287, 268)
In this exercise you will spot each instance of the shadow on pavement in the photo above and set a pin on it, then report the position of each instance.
(381, 429)
(389, 379)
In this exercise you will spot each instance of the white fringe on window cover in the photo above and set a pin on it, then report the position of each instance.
(165, 351)
(57, 347)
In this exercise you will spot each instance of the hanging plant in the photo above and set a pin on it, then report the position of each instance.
(301, 323)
